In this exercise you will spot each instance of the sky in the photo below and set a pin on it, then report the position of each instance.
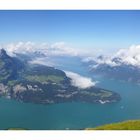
(109, 30)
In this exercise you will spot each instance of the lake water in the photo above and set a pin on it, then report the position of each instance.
(73, 115)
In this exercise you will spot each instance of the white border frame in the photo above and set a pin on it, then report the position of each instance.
(69, 5)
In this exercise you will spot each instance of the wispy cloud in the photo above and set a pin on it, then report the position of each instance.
(43, 61)
(80, 81)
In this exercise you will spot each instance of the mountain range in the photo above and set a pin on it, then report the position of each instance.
(116, 67)
(41, 84)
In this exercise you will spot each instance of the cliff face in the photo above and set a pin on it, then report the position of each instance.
(44, 85)
(10, 67)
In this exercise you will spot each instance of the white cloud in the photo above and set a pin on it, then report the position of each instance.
(128, 56)
(80, 81)
(20, 47)
(55, 49)
(105, 60)
(43, 61)
(62, 49)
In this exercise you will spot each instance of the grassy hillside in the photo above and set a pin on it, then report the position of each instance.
(127, 125)
(17, 129)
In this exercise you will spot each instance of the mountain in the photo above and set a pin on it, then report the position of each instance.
(10, 67)
(41, 84)
(114, 67)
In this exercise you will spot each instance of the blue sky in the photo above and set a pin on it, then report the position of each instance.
(92, 29)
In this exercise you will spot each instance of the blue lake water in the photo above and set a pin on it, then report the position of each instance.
(73, 115)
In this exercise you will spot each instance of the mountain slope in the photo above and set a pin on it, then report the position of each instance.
(127, 125)
(44, 85)
(114, 68)
(10, 67)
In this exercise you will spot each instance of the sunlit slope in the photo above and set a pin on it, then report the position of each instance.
(126, 125)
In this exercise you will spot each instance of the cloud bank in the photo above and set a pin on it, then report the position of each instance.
(19, 47)
(80, 81)
(128, 56)
(55, 49)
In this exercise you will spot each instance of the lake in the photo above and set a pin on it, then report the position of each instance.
(73, 115)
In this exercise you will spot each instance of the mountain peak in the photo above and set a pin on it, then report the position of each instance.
(3, 53)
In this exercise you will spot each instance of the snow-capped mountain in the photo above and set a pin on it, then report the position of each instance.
(123, 65)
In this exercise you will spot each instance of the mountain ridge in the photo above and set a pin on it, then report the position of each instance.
(114, 68)
(44, 85)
